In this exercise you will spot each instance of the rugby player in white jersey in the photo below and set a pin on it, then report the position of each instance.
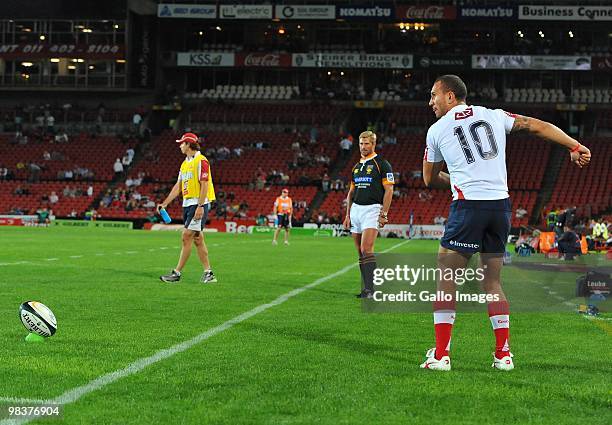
(471, 140)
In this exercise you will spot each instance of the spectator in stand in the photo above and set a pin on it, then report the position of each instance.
(424, 196)
(260, 183)
(130, 153)
(46, 156)
(118, 168)
(520, 212)
(136, 122)
(18, 121)
(50, 124)
(221, 210)
(345, 146)
(21, 191)
(61, 136)
(90, 191)
(53, 198)
(4, 173)
(107, 199)
(439, 220)
(35, 170)
(314, 134)
(325, 183)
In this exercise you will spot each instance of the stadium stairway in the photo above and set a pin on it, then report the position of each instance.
(553, 166)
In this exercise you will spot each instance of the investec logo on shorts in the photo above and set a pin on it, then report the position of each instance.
(464, 245)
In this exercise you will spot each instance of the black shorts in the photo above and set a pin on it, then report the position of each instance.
(189, 212)
(478, 226)
(282, 220)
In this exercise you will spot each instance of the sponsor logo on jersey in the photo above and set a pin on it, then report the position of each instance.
(390, 178)
(363, 179)
(187, 176)
(369, 169)
(464, 114)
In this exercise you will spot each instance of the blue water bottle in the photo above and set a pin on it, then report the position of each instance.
(165, 216)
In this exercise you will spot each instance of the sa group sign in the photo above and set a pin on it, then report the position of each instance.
(245, 12)
(305, 12)
(199, 11)
(205, 59)
(365, 12)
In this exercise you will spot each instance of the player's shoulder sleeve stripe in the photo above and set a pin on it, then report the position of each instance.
(376, 163)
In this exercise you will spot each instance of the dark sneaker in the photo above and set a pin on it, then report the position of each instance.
(364, 294)
(208, 277)
(173, 277)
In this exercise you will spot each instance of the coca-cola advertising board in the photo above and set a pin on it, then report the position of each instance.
(426, 12)
(263, 60)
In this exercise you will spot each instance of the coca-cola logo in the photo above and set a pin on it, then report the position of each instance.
(425, 12)
(258, 59)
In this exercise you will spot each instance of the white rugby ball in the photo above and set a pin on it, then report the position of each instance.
(38, 318)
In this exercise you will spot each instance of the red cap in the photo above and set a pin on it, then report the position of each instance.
(188, 137)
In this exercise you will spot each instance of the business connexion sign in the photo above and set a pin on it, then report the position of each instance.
(351, 61)
(305, 12)
(195, 11)
(565, 13)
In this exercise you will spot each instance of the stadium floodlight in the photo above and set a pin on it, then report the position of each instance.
(54, 60)
(571, 34)
(27, 64)
(42, 38)
(218, 28)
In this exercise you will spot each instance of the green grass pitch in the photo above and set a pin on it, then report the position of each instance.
(316, 358)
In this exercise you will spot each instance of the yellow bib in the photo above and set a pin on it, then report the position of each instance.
(190, 180)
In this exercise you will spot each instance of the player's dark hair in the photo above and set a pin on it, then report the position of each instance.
(195, 146)
(455, 84)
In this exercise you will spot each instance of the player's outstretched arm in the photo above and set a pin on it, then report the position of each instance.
(434, 177)
(176, 190)
(349, 201)
(579, 154)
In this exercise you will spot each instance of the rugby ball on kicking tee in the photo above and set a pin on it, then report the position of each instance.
(38, 318)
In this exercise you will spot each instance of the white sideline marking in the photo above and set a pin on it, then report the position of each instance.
(18, 400)
(16, 263)
(52, 259)
(99, 254)
(21, 400)
(74, 394)
(131, 252)
(76, 256)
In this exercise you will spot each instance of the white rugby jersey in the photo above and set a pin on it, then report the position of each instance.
(472, 142)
